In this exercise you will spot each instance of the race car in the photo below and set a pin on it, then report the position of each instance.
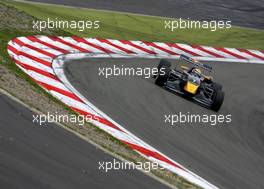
(191, 82)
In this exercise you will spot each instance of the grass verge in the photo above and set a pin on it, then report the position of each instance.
(137, 27)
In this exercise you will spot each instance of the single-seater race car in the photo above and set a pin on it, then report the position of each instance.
(190, 82)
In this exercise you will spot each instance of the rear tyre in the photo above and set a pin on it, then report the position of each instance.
(218, 100)
(162, 76)
(164, 63)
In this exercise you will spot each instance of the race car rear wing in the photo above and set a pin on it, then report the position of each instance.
(195, 62)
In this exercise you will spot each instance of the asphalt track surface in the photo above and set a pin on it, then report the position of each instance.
(33, 156)
(227, 155)
(242, 13)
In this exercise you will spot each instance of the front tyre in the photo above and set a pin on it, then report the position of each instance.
(217, 86)
(218, 100)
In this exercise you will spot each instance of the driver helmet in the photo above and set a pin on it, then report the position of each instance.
(197, 71)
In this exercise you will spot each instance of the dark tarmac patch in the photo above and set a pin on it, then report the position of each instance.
(227, 155)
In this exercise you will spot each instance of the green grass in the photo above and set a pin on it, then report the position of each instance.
(14, 24)
(117, 25)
